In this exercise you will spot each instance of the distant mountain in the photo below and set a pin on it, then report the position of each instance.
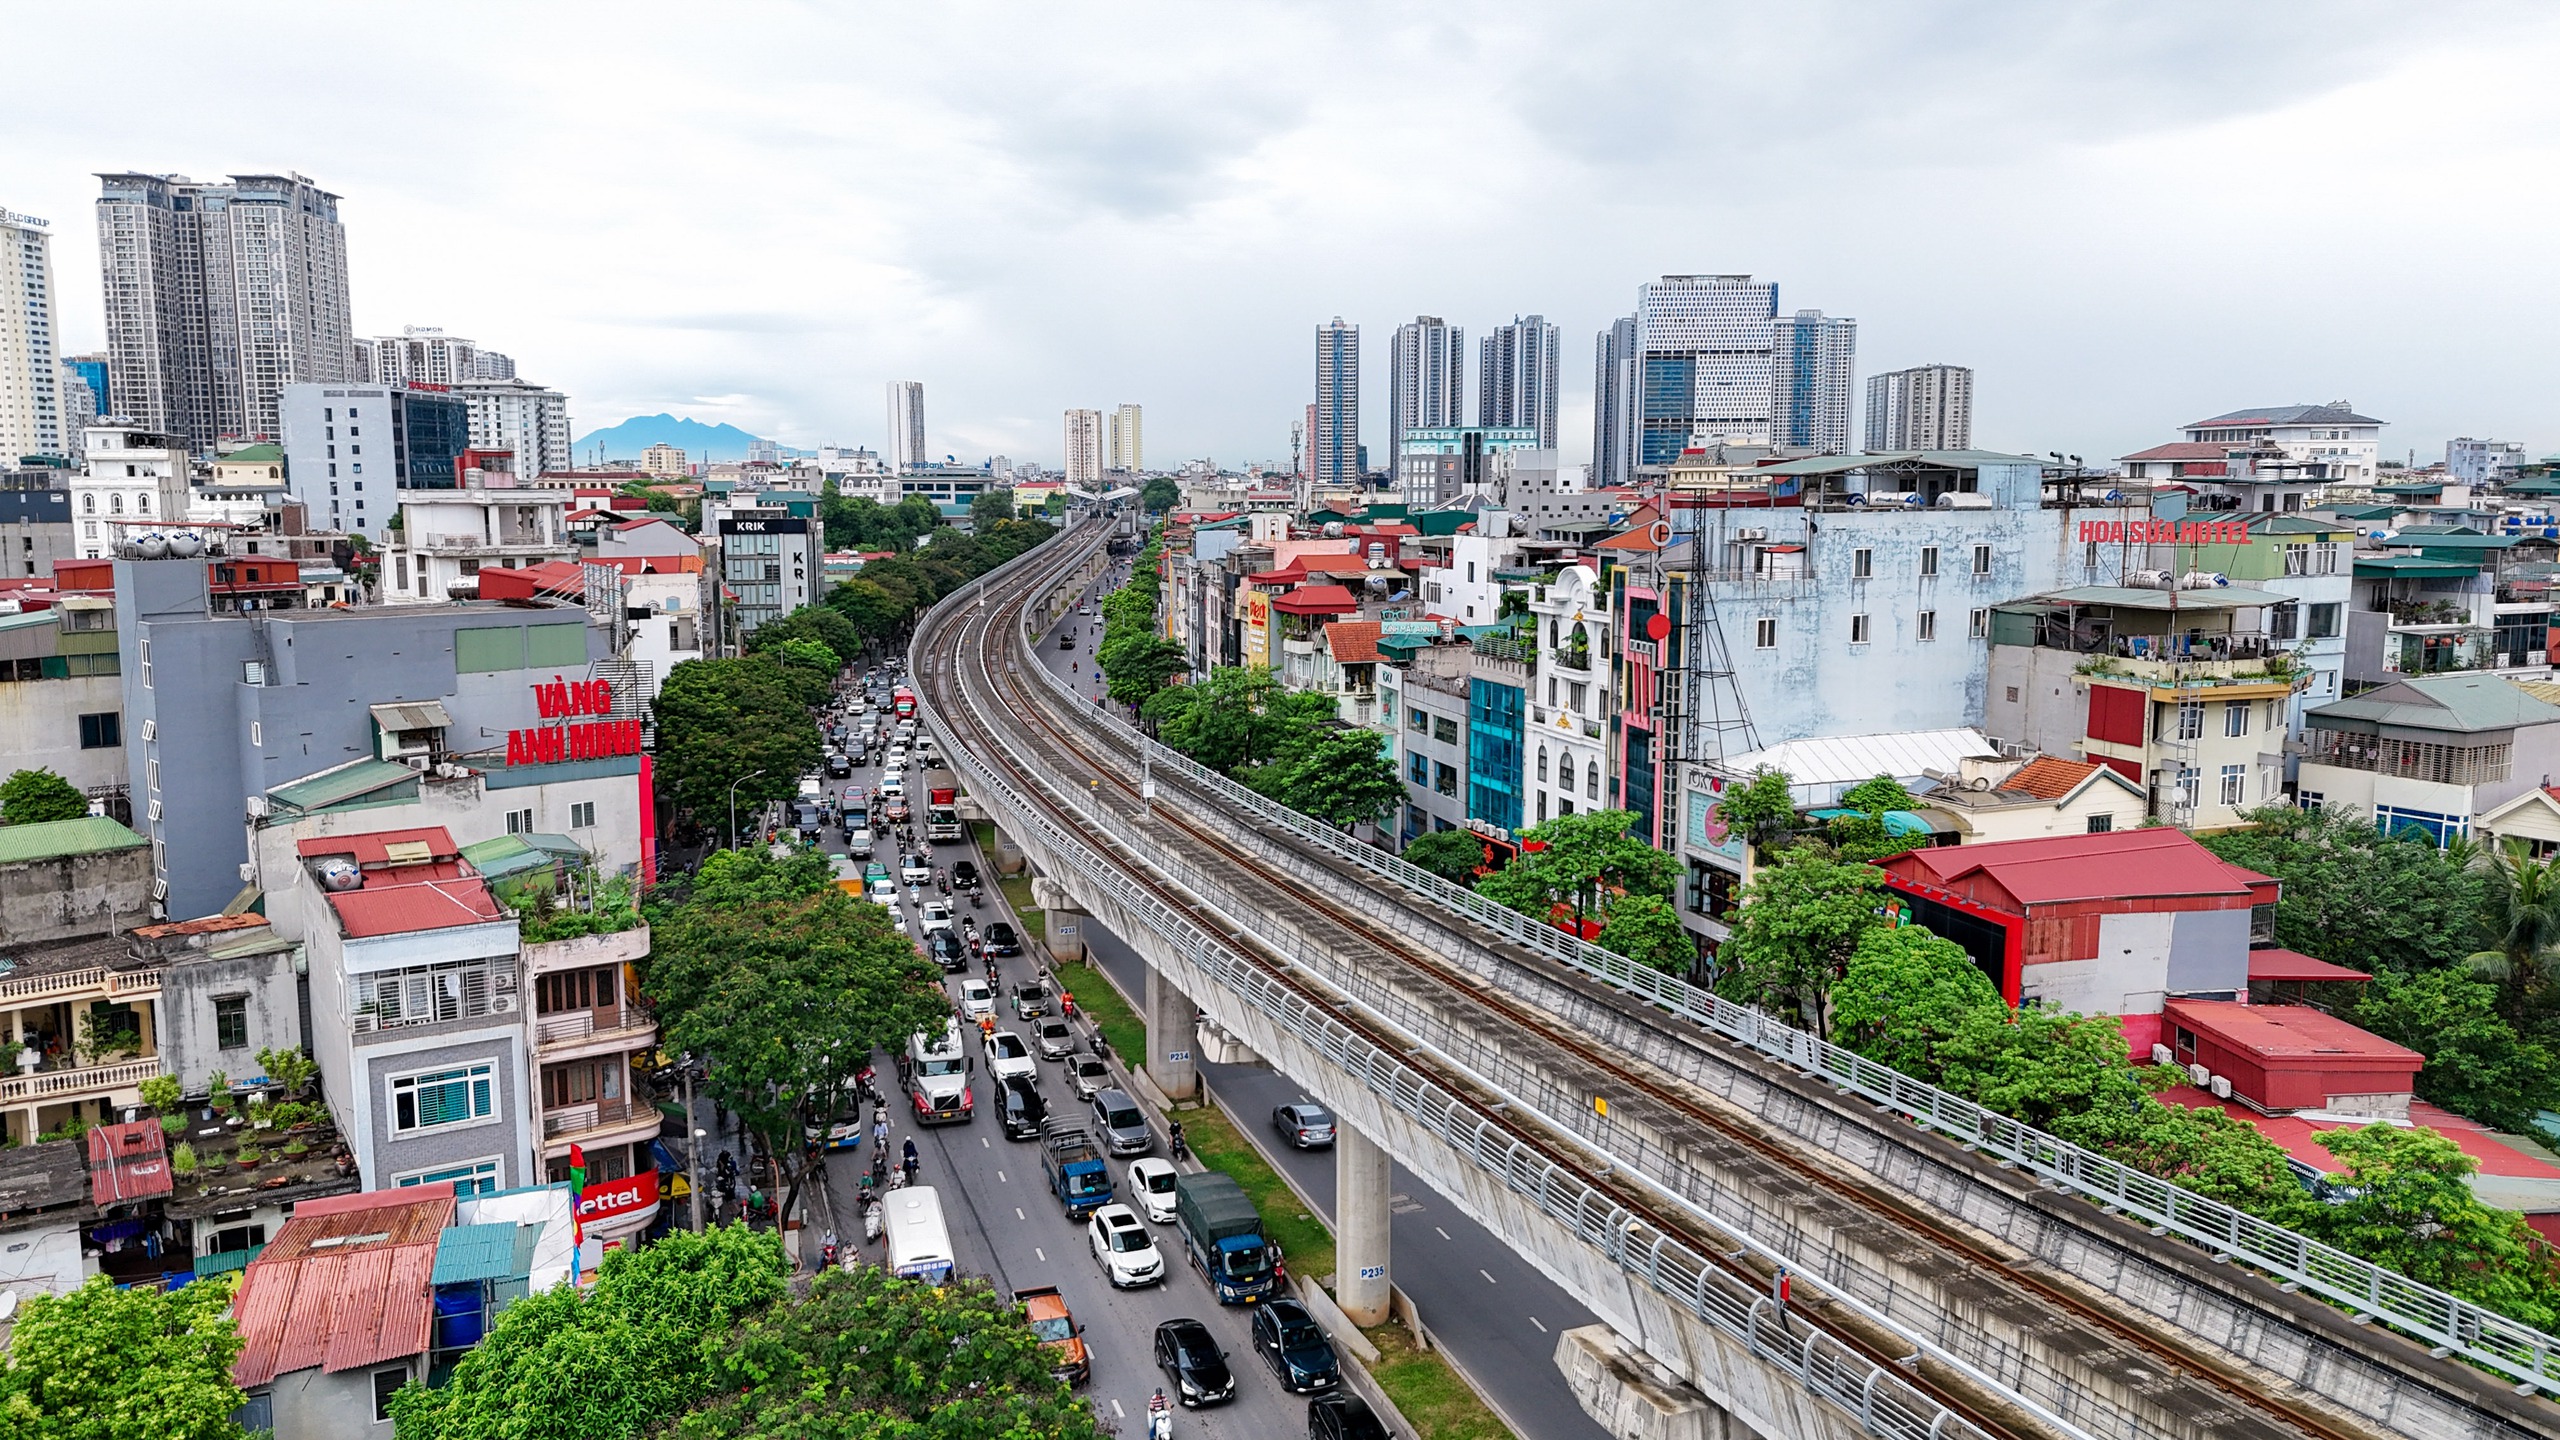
(699, 441)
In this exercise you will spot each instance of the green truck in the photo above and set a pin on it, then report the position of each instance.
(1222, 1234)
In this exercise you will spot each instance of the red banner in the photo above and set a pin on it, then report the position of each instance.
(606, 1199)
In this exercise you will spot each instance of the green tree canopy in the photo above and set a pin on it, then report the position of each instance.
(2477, 1065)
(1139, 665)
(1453, 855)
(2352, 895)
(1878, 795)
(1904, 992)
(2520, 924)
(1647, 930)
(104, 1364)
(989, 506)
(2042, 1066)
(2407, 1207)
(1761, 809)
(1342, 776)
(1237, 718)
(833, 629)
(1582, 858)
(1158, 496)
(32, 797)
(720, 720)
(872, 610)
(1800, 921)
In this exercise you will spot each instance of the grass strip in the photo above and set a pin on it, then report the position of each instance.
(1302, 1238)
(1440, 1404)
(1097, 997)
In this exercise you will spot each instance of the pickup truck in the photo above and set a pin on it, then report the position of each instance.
(1222, 1234)
(1078, 1175)
(1059, 1334)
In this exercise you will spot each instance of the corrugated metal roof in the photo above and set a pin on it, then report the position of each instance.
(1838, 760)
(127, 1163)
(2220, 597)
(53, 839)
(2112, 865)
(2419, 567)
(424, 905)
(375, 848)
(2466, 702)
(475, 1252)
(345, 783)
(412, 715)
(344, 1284)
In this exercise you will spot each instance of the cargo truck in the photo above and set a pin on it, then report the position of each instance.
(942, 814)
(1078, 1175)
(1223, 1236)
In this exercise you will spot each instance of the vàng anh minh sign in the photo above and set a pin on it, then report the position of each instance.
(583, 738)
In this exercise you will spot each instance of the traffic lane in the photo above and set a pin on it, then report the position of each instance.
(1494, 1313)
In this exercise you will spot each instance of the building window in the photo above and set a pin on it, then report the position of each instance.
(1417, 719)
(1928, 561)
(257, 733)
(2310, 799)
(463, 1095)
(1928, 624)
(1980, 625)
(1857, 629)
(1444, 730)
(2101, 824)
(2284, 621)
(1764, 633)
(2235, 784)
(386, 1383)
(471, 1177)
(231, 1022)
(1862, 564)
(1981, 559)
(101, 731)
(1591, 777)
(1445, 779)
(1542, 764)
(519, 822)
(1417, 767)
(582, 815)
(2235, 717)
(2190, 719)
(2324, 622)
(1542, 807)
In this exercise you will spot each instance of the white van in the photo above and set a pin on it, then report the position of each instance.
(919, 1243)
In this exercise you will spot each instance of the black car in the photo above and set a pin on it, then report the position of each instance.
(838, 766)
(1308, 1127)
(947, 951)
(1019, 1108)
(1294, 1346)
(1344, 1416)
(1001, 940)
(1189, 1356)
(807, 821)
(964, 875)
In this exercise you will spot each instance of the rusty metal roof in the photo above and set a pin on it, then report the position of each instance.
(343, 1285)
(128, 1163)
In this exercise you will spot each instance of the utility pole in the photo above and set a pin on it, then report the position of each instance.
(733, 805)
(692, 1151)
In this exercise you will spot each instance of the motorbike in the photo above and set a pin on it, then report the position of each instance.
(1175, 1143)
(827, 1255)
(977, 900)
(942, 881)
(871, 1222)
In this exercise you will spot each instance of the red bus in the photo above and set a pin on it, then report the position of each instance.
(904, 701)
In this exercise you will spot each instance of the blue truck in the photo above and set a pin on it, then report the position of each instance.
(1078, 1175)
(1222, 1233)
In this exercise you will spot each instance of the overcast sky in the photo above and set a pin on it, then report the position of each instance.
(2123, 216)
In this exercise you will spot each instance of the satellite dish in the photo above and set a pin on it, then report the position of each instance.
(8, 1303)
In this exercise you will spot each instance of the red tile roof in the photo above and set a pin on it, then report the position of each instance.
(343, 1285)
(2050, 777)
(2272, 1032)
(2181, 450)
(423, 904)
(203, 925)
(2275, 964)
(1353, 642)
(1639, 540)
(374, 849)
(128, 1163)
(1317, 600)
(2114, 865)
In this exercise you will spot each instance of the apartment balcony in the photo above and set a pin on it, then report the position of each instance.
(573, 1034)
(2223, 661)
(598, 1122)
(541, 957)
(109, 984)
(2437, 650)
(77, 1082)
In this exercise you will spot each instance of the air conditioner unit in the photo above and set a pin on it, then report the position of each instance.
(257, 807)
(150, 729)
(2221, 1087)
(502, 1004)
(2160, 1055)
(1754, 533)
(2199, 1074)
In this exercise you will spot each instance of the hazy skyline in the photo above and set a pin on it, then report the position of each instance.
(2122, 217)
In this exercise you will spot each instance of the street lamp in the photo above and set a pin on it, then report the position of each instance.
(733, 805)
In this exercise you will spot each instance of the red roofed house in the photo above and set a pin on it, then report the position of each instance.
(339, 1311)
(1987, 800)
(2150, 926)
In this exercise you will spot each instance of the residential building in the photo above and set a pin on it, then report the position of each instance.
(949, 487)
(906, 426)
(2307, 446)
(83, 377)
(61, 700)
(1813, 359)
(132, 481)
(2181, 691)
(1614, 393)
(1429, 683)
(1084, 449)
(522, 418)
(1927, 407)
(1822, 769)
(1703, 362)
(1569, 709)
(1426, 378)
(1334, 437)
(351, 480)
(77, 1014)
(36, 528)
(2431, 754)
(2434, 598)
(666, 462)
(2478, 462)
(246, 492)
(1517, 380)
(32, 418)
(1497, 730)
(425, 355)
(769, 565)
(1988, 799)
(2308, 559)
(1128, 442)
(218, 295)
(445, 538)
(1440, 463)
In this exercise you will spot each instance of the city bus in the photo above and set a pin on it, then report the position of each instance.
(919, 1243)
(903, 700)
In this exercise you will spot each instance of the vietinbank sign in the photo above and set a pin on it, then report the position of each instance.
(2164, 532)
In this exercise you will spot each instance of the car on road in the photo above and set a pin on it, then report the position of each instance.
(1189, 1357)
(838, 766)
(896, 812)
(1030, 1000)
(915, 869)
(1308, 1127)
(1020, 1110)
(1057, 1331)
(1001, 939)
(976, 999)
(1053, 1038)
(937, 915)
(882, 892)
(859, 844)
(1122, 1124)
(1344, 1416)
(893, 785)
(943, 947)
(1291, 1342)
(1151, 1185)
(964, 875)
(1086, 1074)
(1122, 1246)
(806, 820)
(1008, 1056)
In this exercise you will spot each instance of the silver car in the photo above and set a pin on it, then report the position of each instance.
(1122, 1124)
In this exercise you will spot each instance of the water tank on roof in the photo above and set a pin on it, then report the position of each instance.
(2203, 580)
(1377, 554)
(1448, 628)
(1333, 529)
(151, 545)
(340, 873)
(1908, 499)
(2148, 579)
(186, 545)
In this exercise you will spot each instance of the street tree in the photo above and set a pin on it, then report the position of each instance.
(720, 721)
(1762, 809)
(831, 628)
(1578, 861)
(1340, 775)
(2477, 1064)
(32, 797)
(990, 506)
(874, 612)
(2405, 1205)
(1904, 991)
(1237, 718)
(1138, 665)
(1159, 496)
(2520, 923)
(1453, 855)
(1647, 930)
(102, 1363)
(2354, 896)
(1801, 920)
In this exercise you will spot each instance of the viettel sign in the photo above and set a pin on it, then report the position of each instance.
(584, 739)
(607, 1199)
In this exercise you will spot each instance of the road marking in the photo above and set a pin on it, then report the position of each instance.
(1043, 1254)
(1018, 1215)
(1117, 1413)
(983, 1145)
(1445, 1235)
(1534, 1320)
(1001, 1180)
(1488, 1277)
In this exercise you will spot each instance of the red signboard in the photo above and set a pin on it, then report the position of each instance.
(2164, 532)
(593, 740)
(608, 1198)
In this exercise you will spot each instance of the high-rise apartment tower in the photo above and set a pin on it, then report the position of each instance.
(1927, 407)
(1813, 359)
(1426, 379)
(1713, 360)
(1516, 382)
(217, 297)
(31, 418)
(906, 426)
(1335, 443)
(1128, 439)
(1613, 404)
(1084, 449)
